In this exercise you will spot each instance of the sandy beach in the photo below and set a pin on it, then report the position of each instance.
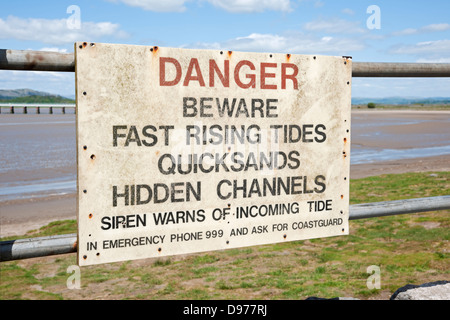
(371, 130)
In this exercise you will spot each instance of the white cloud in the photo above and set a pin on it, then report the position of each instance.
(405, 32)
(348, 11)
(438, 47)
(52, 49)
(252, 5)
(56, 31)
(436, 60)
(437, 27)
(400, 87)
(295, 43)
(156, 5)
(334, 25)
(429, 51)
(234, 6)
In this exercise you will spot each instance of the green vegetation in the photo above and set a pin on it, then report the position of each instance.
(417, 107)
(399, 186)
(408, 249)
(38, 99)
(53, 228)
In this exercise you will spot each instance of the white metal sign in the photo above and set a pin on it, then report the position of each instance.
(183, 151)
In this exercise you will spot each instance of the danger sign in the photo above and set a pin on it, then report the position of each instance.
(183, 151)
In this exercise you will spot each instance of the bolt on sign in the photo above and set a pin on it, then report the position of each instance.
(183, 151)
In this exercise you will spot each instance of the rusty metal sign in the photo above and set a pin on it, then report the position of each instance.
(183, 151)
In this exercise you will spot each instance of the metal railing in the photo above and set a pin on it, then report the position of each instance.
(37, 107)
(65, 62)
(53, 245)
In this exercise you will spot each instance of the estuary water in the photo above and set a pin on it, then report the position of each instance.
(38, 152)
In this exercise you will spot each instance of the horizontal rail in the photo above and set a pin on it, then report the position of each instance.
(36, 60)
(47, 246)
(37, 247)
(65, 62)
(389, 208)
(35, 105)
(413, 70)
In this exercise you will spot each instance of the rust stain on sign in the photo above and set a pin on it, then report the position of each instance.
(193, 151)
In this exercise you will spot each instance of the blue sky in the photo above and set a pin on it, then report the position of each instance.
(401, 31)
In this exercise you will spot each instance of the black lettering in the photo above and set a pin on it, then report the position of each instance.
(259, 108)
(237, 161)
(221, 161)
(242, 105)
(319, 181)
(160, 197)
(146, 134)
(320, 133)
(256, 137)
(306, 132)
(195, 192)
(190, 135)
(219, 192)
(215, 134)
(202, 168)
(117, 135)
(292, 137)
(166, 133)
(135, 138)
(294, 159)
(106, 224)
(270, 107)
(294, 185)
(226, 106)
(191, 106)
(140, 200)
(116, 195)
(171, 169)
(204, 106)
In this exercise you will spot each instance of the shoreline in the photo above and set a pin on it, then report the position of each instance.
(21, 216)
(371, 129)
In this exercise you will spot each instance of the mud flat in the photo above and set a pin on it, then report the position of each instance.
(39, 150)
(386, 142)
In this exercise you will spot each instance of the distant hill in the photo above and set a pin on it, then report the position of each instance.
(31, 96)
(401, 100)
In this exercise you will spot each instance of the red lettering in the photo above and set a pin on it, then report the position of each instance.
(162, 71)
(252, 77)
(189, 77)
(171, 73)
(285, 76)
(224, 78)
(265, 75)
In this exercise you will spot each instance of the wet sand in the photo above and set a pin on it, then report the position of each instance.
(379, 130)
(392, 129)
